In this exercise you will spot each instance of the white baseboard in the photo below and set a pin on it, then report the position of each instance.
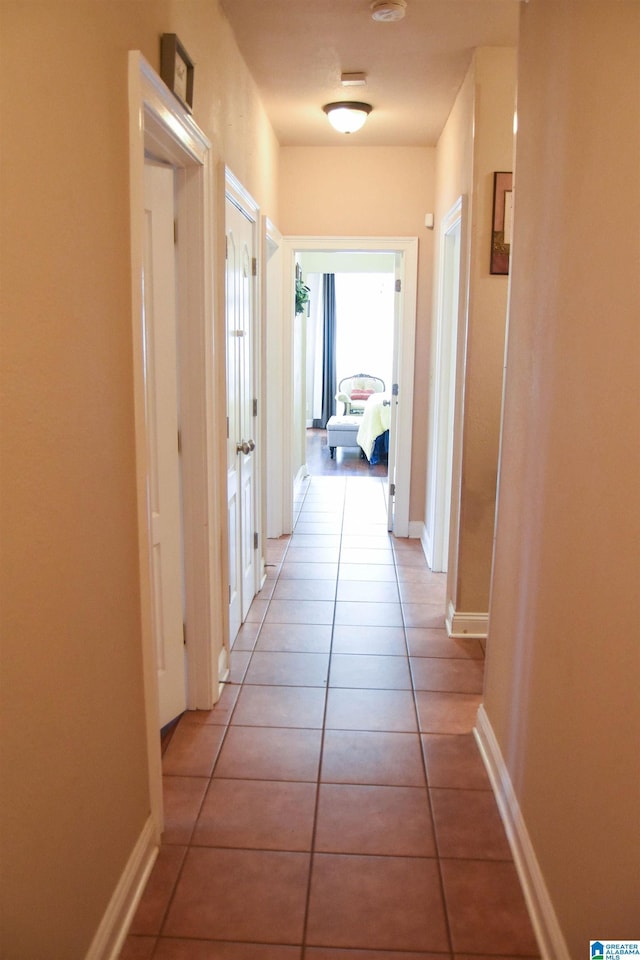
(415, 529)
(466, 625)
(301, 475)
(113, 929)
(428, 548)
(223, 670)
(419, 529)
(543, 918)
(427, 545)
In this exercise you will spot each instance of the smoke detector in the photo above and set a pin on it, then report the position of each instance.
(353, 79)
(388, 11)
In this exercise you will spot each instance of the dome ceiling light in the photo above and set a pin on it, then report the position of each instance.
(388, 11)
(347, 116)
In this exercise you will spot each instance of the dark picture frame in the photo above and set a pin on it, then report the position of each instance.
(501, 222)
(176, 69)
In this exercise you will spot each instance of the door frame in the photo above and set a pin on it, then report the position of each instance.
(442, 404)
(161, 127)
(407, 249)
(271, 371)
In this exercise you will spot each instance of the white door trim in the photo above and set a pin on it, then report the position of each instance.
(443, 366)
(159, 125)
(271, 459)
(407, 247)
(240, 195)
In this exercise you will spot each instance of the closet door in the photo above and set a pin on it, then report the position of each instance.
(160, 332)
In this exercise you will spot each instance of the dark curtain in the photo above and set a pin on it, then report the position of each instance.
(329, 385)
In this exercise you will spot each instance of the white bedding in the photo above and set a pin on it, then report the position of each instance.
(376, 418)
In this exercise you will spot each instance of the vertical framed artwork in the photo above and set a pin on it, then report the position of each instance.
(502, 222)
(176, 68)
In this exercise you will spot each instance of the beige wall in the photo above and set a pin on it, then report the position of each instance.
(563, 657)
(74, 766)
(477, 140)
(376, 192)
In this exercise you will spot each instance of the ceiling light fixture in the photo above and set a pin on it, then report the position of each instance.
(347, 116)
(388, 11)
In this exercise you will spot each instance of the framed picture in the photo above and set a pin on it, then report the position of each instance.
(176, 68)
(502, 222)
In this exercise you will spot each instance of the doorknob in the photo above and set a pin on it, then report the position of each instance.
(245, 446)
(386, 403)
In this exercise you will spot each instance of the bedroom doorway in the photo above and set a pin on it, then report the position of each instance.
(349, 331)
(403, 252)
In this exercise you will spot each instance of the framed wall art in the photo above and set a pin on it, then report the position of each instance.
(176, 68)
(502, 222)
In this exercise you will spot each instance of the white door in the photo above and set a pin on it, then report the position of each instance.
(395, 400)
(241, 412)
(160, 343)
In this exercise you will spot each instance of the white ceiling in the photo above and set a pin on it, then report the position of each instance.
(297, 49)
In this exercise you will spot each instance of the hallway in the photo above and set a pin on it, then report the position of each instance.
(333, 805)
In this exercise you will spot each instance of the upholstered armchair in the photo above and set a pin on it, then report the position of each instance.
(354, 392)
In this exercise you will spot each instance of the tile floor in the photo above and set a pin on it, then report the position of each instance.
(333, 805)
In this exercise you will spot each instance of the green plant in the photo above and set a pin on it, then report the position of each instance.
(303, 295)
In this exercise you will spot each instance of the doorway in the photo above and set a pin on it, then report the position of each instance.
(404, 254)
(349, 332)
(162, 129)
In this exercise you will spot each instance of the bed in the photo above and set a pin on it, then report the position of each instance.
(373, 433)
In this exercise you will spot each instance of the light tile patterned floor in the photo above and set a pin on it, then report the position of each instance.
(333, 805)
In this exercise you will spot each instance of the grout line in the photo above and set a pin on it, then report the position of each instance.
(312, 851)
